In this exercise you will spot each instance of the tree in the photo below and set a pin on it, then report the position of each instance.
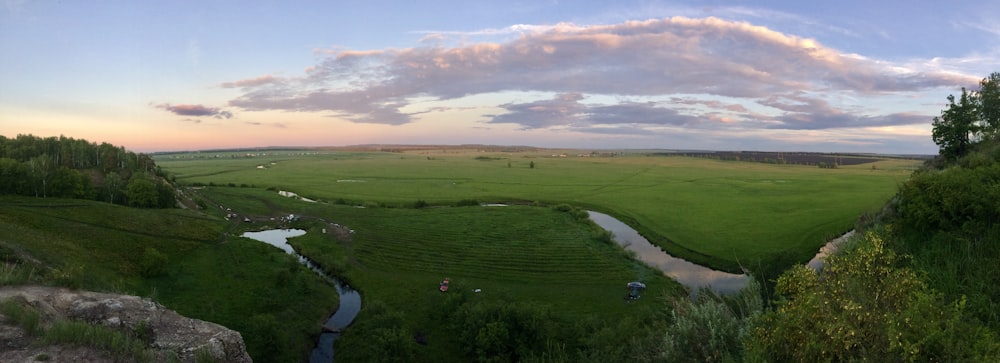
(141, 192)
(41, 169)
(113, 184)
(975, 117)
(988, 105)
(954, 129)
(13, 177)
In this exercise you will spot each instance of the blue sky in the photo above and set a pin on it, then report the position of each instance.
(856, 76)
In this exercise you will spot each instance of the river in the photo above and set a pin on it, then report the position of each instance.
(350, 300)
(687, 273)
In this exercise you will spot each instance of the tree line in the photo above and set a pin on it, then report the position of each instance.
(64, 167)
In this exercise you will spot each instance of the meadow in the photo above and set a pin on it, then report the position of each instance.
(416, 220)
(551, 284)
(561, 273)
(723, 214)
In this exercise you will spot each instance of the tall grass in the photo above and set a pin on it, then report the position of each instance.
(119, 345)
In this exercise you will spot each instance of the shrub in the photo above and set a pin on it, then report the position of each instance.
(863, 307)
(563, 207)
(712, 327)
(154, 263)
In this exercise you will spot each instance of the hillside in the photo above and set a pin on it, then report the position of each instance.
(180, 258)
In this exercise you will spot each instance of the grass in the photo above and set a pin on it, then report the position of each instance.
(98, 246)
(118, 345)
(717, 213)
(533, 255)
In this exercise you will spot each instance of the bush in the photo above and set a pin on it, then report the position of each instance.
(154, 263)
(711, 328)
(954, 199)
(499, 331)
(563, 207)
(864, 307)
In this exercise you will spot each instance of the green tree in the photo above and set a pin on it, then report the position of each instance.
(988, 105)
(13, 177)
(141, 192)
(41, 168)
(954, 129)
(975, 117)
(112, 185)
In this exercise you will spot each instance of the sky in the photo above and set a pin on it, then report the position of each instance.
(826, 76)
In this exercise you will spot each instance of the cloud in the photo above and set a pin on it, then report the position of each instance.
(565, 110)
(196, 110)
(694, 62)
(279, 125)
(253, 82)
(808, 113)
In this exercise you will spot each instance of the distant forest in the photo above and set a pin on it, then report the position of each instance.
(64, 167)
(823, 160)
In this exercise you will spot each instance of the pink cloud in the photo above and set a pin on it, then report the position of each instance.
(655, 58)
(252, 82)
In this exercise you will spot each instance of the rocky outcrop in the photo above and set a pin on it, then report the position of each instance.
(163, 330)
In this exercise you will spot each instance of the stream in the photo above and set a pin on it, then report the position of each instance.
(687, 273)
(350, 300)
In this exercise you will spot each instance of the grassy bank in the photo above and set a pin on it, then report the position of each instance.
(177, 257)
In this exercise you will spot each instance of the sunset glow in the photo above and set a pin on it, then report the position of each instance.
(789, 76)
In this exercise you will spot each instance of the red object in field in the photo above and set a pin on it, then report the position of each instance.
(443, 286)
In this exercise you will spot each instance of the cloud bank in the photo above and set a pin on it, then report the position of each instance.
(630, 77)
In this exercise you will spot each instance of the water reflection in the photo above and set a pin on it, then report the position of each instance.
(685, 272)
(350, 300)
(816, 263)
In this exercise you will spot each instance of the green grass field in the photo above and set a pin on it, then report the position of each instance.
(397, 256)
(717, 213)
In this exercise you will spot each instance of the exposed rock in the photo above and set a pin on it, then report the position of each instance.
(165, 331)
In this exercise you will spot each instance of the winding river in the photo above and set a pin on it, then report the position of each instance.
(690, 275)
(350, 300)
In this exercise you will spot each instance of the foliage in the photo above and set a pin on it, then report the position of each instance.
(710, 328)
(141, 192)
(949, 227)
(386, 339)
(954, 131)
(864, 306)
(153, 263)
(954, 199)
(64, 167)
(500, 331)
(975, 117)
